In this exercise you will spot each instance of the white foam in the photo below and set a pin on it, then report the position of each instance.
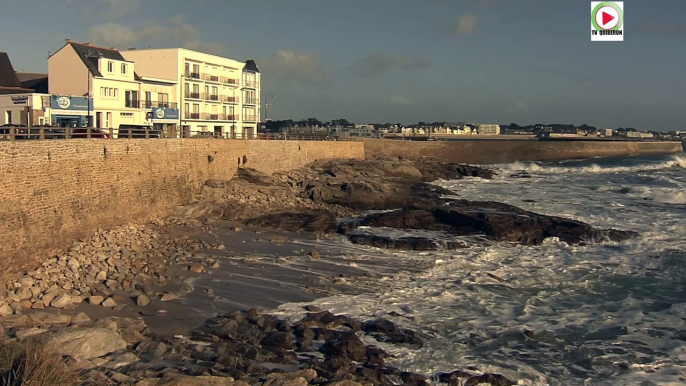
(534, 168)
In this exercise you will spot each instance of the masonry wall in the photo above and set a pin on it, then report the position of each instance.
(54, 192)
(501, 151)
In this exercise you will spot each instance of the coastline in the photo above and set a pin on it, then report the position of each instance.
(225, 267)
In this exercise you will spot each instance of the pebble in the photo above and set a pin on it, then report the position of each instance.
(109, 303)
(61, 301)
(142, 301)
(95, 300)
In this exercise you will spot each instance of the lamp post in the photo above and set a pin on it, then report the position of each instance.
(266, 108)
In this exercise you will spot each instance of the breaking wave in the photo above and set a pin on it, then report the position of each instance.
(534, 168)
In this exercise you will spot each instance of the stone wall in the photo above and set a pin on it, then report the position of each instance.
(502, 151)
(54, 192)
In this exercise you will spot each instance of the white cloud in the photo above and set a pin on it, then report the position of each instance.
(465, 25)
(378, 64)
(183, 34)
(299, 67)
(400, 100)
(117, 9)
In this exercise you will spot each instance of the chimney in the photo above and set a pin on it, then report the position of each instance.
(67, 40)
(131, 49)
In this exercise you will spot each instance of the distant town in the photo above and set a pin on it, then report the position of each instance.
(342, 128)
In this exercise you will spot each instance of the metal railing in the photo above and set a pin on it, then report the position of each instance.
(134, 104)
(189, 115)
(192, 95)
(194, 75)
(210, 97)
(249, 101)
(230, 81)
(57, 133)
(249, 84)
(250, 118)
(153, 104)
(211, 78)
(230, 99)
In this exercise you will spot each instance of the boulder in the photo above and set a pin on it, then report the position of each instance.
(61, 301)
(88, 343)
(142, 300)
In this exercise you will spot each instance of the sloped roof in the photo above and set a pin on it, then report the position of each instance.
(89, 54)
(250, 65)
(39, 85)
(8, 78)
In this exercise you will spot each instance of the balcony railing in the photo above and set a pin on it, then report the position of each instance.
(249, 101)
(249, 84)
(230, 81)
(156, 104)
(210, 97)
(210, 117)
(229, 99)
(132, 104)
(211, 78)
(193, 95)
(188, 115)
(250, 118)
(194, 75)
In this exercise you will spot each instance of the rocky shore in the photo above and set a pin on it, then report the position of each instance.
(128, 270)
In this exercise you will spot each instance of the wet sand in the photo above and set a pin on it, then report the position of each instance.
(261, 269)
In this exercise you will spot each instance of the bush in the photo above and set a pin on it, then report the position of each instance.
(35, 363)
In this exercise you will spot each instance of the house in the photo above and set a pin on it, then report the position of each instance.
(20, 104)
(215, 94)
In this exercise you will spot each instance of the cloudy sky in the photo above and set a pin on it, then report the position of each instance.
(500, 61)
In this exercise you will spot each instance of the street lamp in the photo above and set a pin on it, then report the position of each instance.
(266, 106)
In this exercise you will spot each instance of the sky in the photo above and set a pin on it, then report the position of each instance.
(405, 61)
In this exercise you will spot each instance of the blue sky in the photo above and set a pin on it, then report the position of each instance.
(499, 61)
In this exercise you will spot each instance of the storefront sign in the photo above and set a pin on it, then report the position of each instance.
(20, 100)
(159, 113)
(69, 102)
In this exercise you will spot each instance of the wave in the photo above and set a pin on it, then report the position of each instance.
(534, 168)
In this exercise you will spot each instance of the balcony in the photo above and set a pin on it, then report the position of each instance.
(229, 99)
(156, 104)
(194, 75)
(192, 95)
(249, 84)
(211, 78)
(188, 115)
(132, 104)
(249, 101)
(250, 118)
(210, 97)
(210, 117)
(230, 117)
(230, 81)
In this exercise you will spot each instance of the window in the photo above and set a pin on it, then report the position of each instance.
(148, 99)
(123, 68)
(131, 99)
(196, 109)
(109, 92)
(188, 69)
(9, 117)
(163, 99)
(186, 107)
(110, 67)
(187, 90)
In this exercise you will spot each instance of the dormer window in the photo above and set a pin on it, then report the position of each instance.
(123, 69)
(110, 67)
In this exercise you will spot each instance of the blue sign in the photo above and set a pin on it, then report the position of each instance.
(63, 102)
(165, 113)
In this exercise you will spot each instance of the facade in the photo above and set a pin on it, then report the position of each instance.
(484, 129)
(30, 109)
(96, 86)
(216, 96)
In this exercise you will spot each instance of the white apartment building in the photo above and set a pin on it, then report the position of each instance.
(97, 87)
(216, 95)
(484, 129)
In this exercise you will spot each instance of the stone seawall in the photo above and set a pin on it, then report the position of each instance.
(54, 192)
(499, 151)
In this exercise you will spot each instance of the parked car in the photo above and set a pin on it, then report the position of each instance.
(138, 131)
(82, 132)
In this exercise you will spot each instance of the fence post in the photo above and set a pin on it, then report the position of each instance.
(88, 132)
(12, 133)
(41, 134)
(147, 133)
(67, 132)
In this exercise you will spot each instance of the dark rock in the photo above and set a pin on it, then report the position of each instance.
(491, 379)
(278, 340)
(413, 379)
(345, 344)
(313, 221)
(385, 242)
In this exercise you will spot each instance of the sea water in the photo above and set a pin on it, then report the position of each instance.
(553, 314)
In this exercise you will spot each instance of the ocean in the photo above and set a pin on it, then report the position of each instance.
(552, 314)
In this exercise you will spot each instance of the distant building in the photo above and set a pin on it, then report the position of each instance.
(19, 104)
(605, 132)
(485, 129)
